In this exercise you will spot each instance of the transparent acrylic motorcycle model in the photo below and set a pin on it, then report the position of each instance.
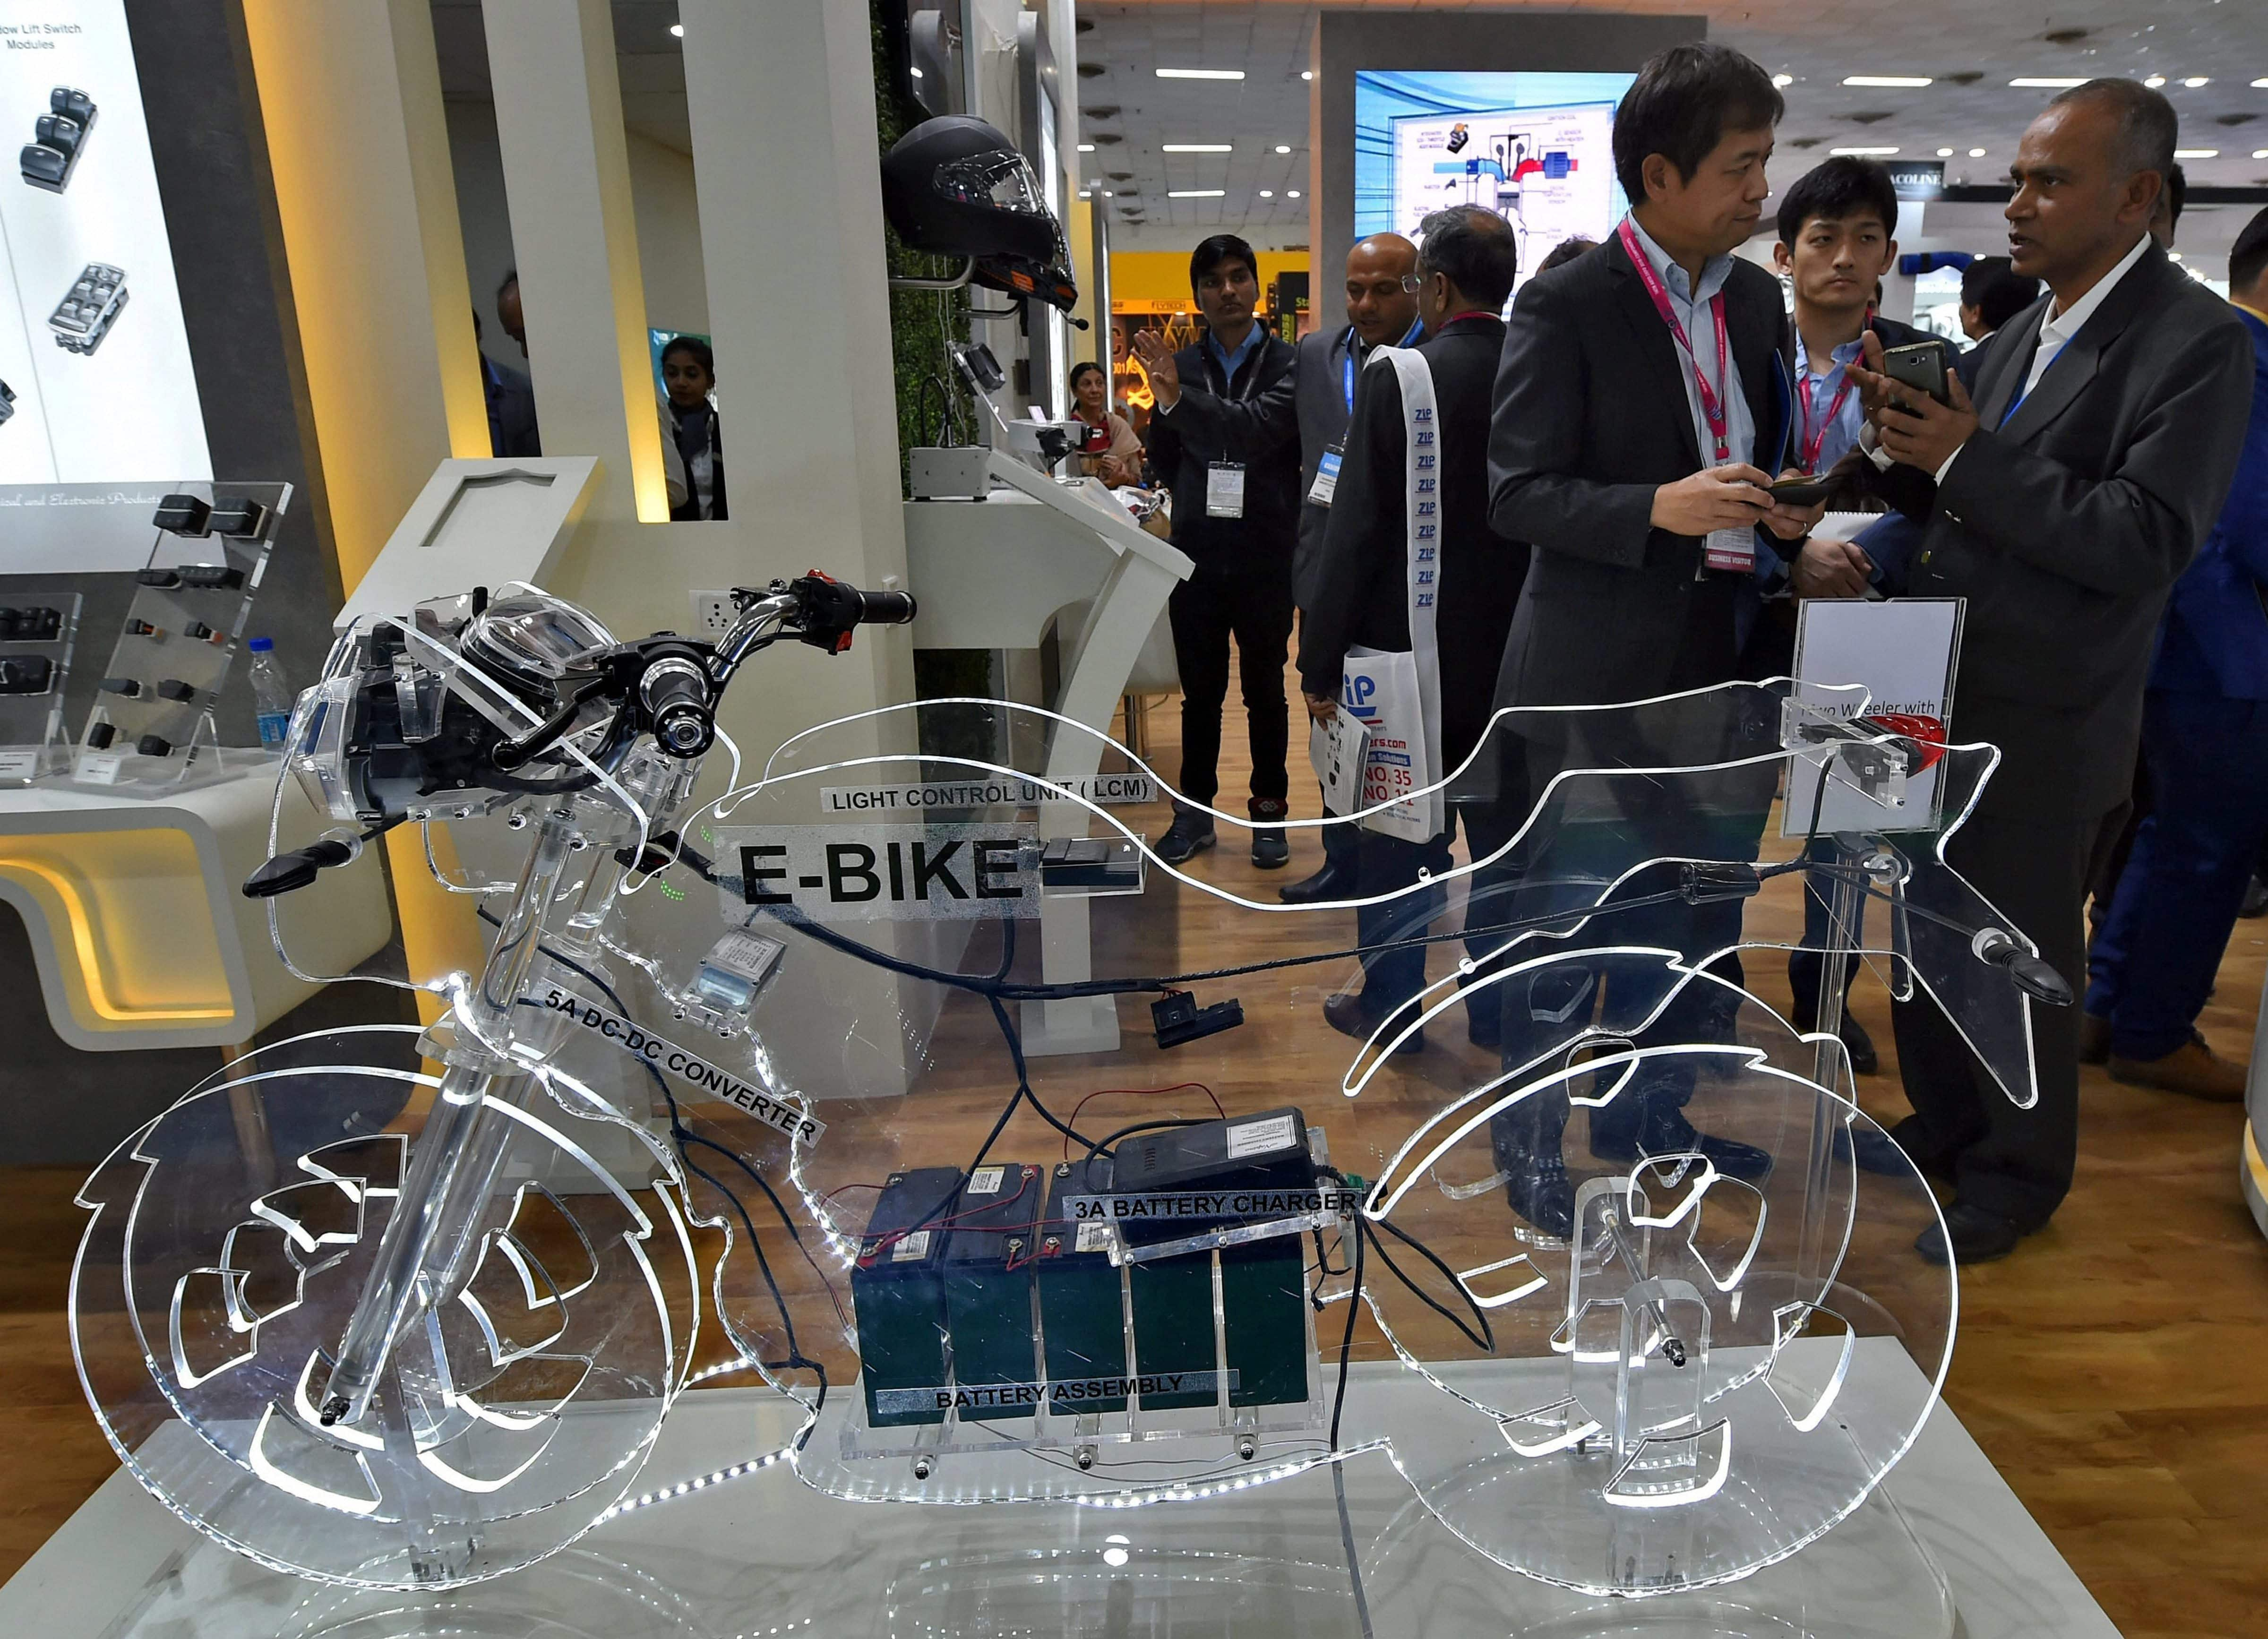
(425, 1332)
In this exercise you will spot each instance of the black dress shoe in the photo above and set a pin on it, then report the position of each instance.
(1351, 1016)
(1972, 1234)
(1905, 1149)
(1189, 835)
(1664, 1130)
(1536, 1183)
(1329, 882)
(1860, 1046)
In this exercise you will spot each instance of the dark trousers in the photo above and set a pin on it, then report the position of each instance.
(2160, 942)
(1206, 610)
(1807, 965)
(1568, 863)
(2033, 867)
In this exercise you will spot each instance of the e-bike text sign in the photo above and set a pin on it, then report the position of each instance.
(916, 872)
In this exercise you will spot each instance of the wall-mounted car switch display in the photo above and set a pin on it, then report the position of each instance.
(89, 308)
(58, 138)
(25, 675)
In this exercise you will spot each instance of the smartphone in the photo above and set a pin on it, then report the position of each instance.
(1802, 491)
(1922, 366)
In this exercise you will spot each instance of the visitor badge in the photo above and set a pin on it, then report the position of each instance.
(1733, 549)
(1225, 489)
(1327, 478)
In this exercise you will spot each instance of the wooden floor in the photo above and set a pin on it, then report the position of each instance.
(2116, 1369)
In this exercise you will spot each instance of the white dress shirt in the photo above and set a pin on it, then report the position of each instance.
(2062, 325)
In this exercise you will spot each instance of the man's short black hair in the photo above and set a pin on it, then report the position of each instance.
(1474, 246)
(1681, 104)
(1564, 251)
(2148, 130)
(703, 354)
(1221, 248)
(2177, 193)
(2248, 258)
(1837, 190)
(1991, 285)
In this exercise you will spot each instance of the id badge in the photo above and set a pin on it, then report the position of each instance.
(1326, 477)
(1225, 489)
(1733, 549)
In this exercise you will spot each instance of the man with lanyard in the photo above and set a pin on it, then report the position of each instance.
(1836, 226)
(1230, 455)
(1388, 582)
(1382, 307)
(1641, 407)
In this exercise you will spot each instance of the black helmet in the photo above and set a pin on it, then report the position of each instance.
(955, 186)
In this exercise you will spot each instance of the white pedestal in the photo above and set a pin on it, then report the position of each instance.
(764, 1551)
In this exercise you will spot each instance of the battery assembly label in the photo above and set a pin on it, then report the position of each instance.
(690, 1070)
(1259, 1137)
(1226, 1204)
(911, 1249)
(1063, 1394)
(985, 1181)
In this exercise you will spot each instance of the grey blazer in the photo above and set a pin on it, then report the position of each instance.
(2066, 527)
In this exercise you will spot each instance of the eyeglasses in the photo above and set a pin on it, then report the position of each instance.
(1412, 284)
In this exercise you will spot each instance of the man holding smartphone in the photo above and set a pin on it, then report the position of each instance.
(1638, 418)
(2062, 500)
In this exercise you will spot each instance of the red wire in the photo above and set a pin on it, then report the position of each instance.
(1137, 1092)
(895, 1236)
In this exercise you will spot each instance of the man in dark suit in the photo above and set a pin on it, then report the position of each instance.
(2063, 505)
(2204, 742)
(1235, 484)
(1642, 407)
(1369, 577)
(1380, 312)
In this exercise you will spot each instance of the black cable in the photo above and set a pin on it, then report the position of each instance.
(1485, 1338)
(1346, 1344)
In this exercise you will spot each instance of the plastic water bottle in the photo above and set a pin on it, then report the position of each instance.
(272, 697)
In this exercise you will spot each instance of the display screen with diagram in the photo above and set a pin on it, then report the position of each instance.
(99, 405)
(1538, 148)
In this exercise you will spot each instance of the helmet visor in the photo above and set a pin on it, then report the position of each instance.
(1001, 180)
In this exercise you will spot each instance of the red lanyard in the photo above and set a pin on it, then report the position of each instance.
(1814, 442)
(1713, 407)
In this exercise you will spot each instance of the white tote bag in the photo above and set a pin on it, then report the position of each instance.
(1397, 696)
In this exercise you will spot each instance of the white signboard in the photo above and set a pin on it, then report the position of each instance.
(1904, 653)
(837, 873)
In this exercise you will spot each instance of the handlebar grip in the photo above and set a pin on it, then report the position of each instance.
(887, 608)
(680, 705)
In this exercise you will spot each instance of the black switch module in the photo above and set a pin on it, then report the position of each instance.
(153, 746)
(184, 515)
(239, 515)
(25, 675)
(898, 1294)
(173, 688)
(211, 576)
(128, 687)
(99, 736)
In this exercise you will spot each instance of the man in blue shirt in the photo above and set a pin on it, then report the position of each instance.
(2204, 744)
(1836, 228)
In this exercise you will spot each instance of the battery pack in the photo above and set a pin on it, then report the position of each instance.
(989, 1254)
(897, 1291)
(1082, 1313)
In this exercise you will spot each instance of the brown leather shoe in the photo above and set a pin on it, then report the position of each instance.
(2193, 1070)
(2093, 1039)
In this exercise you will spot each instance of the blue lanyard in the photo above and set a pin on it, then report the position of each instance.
(1346, 364)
